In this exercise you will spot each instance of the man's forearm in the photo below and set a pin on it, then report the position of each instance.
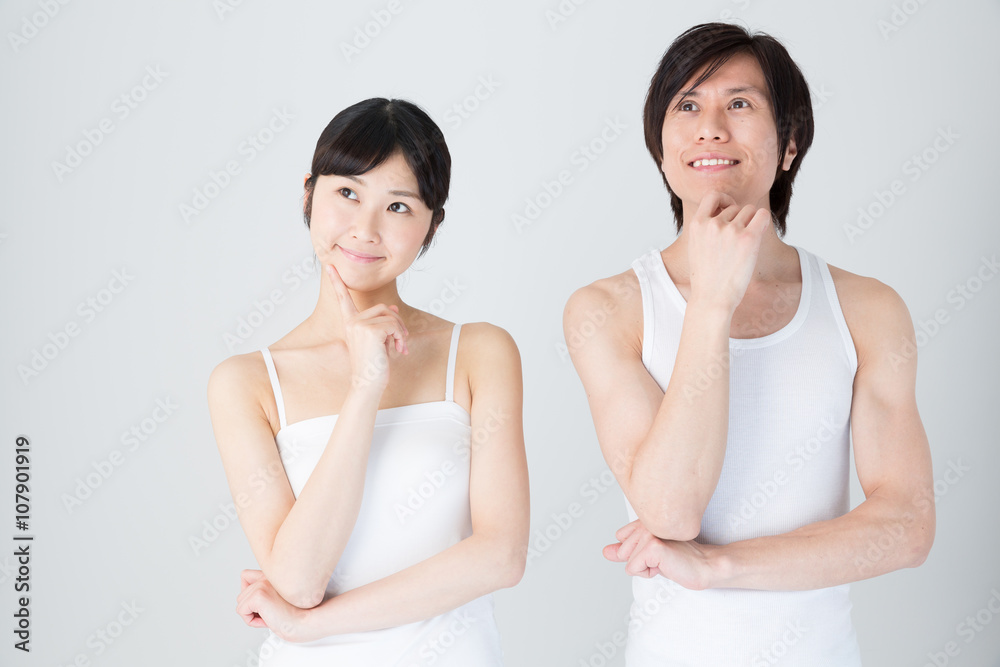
(677, 466)
(878, 536)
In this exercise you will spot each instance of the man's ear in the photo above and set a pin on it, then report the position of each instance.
(790, 154)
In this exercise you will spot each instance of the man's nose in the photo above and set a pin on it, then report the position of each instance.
(713, 125)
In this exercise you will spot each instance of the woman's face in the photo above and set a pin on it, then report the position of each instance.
(370, 226)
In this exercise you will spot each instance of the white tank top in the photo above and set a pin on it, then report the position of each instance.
(786, 465)
(415, 505)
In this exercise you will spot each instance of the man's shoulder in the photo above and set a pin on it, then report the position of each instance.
(608, 308)
(611, 294)
(874, 311)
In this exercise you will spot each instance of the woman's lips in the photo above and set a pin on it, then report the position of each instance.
(355, 257)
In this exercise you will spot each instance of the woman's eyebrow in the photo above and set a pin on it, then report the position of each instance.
(403, 193)
(395, 193)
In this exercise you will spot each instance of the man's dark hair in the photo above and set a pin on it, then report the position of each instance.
(366, 134)
(788, 92)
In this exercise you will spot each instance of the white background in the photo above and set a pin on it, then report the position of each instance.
(880, 98)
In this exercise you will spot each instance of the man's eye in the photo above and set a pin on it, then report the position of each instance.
(348, 193)
(399, 207)
(744, 102)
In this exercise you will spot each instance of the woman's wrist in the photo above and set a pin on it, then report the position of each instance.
(302, 627)
(363, 394)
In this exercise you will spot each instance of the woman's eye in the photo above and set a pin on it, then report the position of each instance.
(685, 104)
(399, 207)
(348, 193)
(744, 102)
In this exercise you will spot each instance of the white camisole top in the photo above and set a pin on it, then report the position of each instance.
(415, 505)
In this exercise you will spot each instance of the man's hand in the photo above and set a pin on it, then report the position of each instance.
(690, 564)
(723, 243)
(260, 606)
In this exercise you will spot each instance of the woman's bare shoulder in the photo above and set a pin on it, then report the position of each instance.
(484, 340)
(237, 378)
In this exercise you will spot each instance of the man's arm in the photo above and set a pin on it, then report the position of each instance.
(891, 529)
(665, 449)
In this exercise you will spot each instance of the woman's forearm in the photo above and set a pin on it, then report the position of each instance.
(459, 574)
(313, 535)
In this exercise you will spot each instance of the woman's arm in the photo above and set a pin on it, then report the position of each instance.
(494, 555)
(298, 541)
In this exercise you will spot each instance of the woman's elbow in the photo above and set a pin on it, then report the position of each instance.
(306, 599)
(510, 565)
(299, 594)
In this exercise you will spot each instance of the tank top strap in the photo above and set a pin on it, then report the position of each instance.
(269, 362)
(452, 355)
(640, 265)
(825, 285)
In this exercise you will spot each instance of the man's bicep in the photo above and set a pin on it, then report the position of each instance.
(622, 396)
(890, 446)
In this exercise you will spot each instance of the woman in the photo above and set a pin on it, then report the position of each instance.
(382, 516)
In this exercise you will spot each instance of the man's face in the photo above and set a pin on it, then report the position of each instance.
(729, 117)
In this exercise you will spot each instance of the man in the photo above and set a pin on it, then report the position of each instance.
(725, 389)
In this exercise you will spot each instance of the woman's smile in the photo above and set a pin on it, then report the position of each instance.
(359, 257)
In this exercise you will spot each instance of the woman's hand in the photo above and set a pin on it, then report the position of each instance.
(260, 606)
(368, 335)
(723, 244)
(645, 555)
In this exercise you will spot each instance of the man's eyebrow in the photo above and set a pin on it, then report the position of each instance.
(732, 91)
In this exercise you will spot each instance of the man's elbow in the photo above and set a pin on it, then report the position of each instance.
(920, 542)
(673, 524)
(674, 517)
(681, 532)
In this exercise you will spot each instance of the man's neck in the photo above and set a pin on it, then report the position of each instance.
(776, 260)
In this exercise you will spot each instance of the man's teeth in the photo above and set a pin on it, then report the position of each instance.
(712, 162)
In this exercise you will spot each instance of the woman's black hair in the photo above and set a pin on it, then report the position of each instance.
(365, 134)
(715, 43)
